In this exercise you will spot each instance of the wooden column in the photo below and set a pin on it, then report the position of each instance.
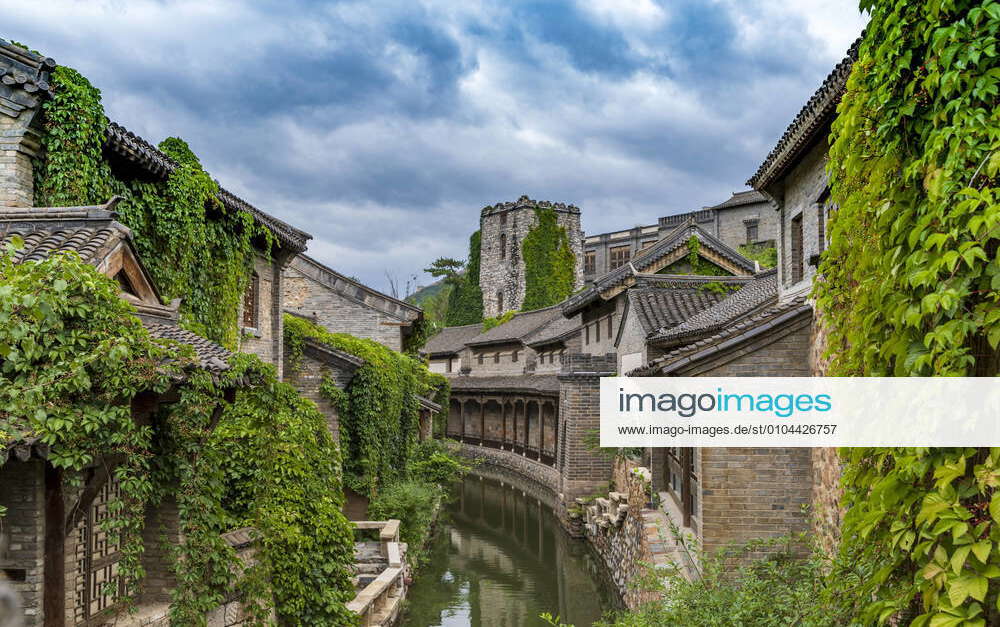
(54, 575)
(541, 430)
(482, 421)
(462, 413)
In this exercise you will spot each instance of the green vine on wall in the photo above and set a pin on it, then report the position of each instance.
(75, 351)
(379, 410)
(193, 247)
(549, 262)
(910, 286)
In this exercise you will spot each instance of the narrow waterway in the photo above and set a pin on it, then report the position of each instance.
(499, 559)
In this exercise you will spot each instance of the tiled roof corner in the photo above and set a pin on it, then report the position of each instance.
(760, 292)
(451, 340)
(811, 119)
(646, 258)
(733, 334)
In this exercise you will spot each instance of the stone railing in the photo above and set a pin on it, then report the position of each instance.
(379, 603)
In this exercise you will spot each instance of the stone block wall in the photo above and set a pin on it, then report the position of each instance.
(581, 469)
(627, 536)
(22, 533)
(501, 269)
(732, 223)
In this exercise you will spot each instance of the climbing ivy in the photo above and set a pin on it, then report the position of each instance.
(379, 410)
(549, 262)
(465, 302)
(71, 356)
(491, 323)
(910, 286)
(766, 256)
(193, 247)
(74, 355)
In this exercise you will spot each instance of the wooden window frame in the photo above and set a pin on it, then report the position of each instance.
(618, 256)
(682, 480)
(797, 246)
(251, 303)
(589, 262)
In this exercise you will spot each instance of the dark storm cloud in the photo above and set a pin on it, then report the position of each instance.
(383, 128)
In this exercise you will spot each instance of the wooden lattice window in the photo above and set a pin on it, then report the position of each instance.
(620, 256)
(96, 582)
(753, 232)
(589, 262)
(797, 261)
(251, 302)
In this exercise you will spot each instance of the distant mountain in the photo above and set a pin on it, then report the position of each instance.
(422, 294)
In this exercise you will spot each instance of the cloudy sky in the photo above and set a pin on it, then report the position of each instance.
(383, 127)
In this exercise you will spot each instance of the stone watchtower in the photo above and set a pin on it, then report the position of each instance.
(503, 227)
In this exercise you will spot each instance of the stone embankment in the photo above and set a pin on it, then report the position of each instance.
(627, 533)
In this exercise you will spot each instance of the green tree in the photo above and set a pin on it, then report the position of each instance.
(465, 302)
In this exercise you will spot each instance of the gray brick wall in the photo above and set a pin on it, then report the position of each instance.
(582, 470)
(308, 377)
(505, 273)
(338, 313)
(749, 493)
(22, 492)
(802, 187)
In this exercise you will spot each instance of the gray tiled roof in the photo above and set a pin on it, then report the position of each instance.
(90, 231)
(814, 116)
(522, 325)
(451, 340)
(538, 383)
(130, 146)
(760, 292)
(211, 356)
(93, 233)
(557, 329)
(738, 199)
(732, 335)
(659, 308)
(354, 290)
(646, 258)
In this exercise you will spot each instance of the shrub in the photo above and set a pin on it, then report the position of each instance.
(413, 502)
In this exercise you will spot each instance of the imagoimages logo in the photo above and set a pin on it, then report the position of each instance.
(799, 411)
(690, 404)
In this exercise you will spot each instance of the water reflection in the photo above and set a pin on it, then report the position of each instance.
(500, 559)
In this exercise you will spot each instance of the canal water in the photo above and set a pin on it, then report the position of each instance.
(499, 559)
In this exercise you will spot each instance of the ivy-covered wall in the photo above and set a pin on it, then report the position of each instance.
(378, 410)
(911, 287)
(549, 263)
(74, 356)
(194, 248)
